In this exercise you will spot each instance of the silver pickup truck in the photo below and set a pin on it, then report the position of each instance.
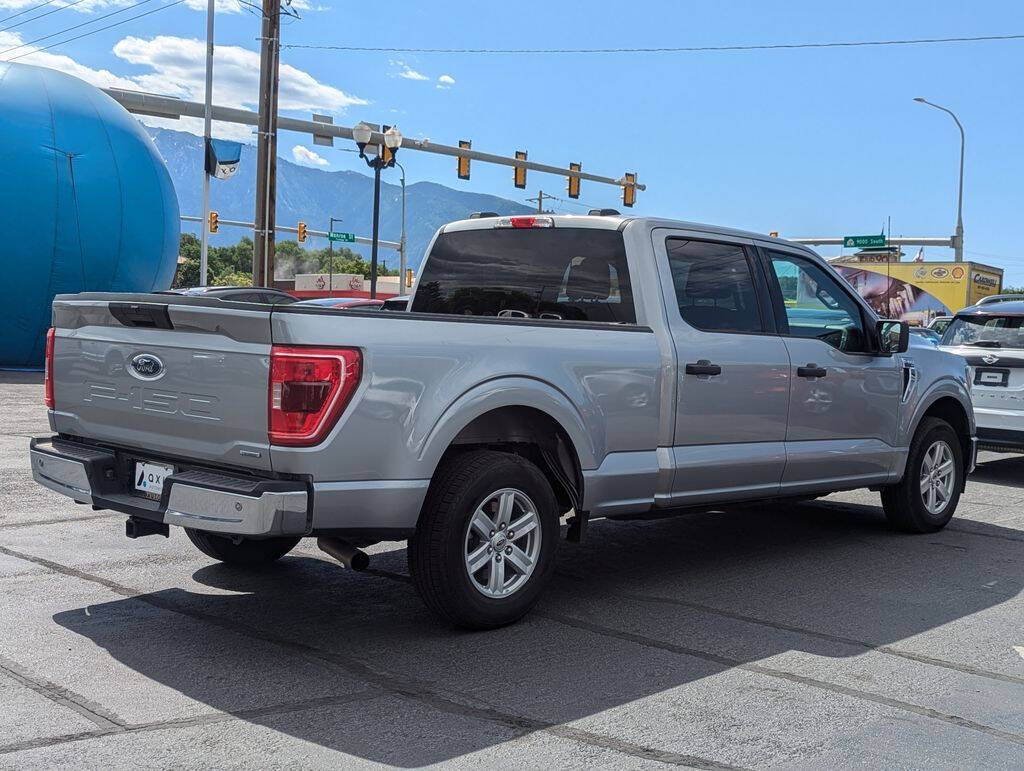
(547, 367)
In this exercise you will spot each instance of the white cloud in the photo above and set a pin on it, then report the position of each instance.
(219, 6)
(178, 68)
(227, 6)
(447, 80)
(410, 74)
(303, 155)
(86, 6)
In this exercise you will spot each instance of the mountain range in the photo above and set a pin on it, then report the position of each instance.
(314, 195)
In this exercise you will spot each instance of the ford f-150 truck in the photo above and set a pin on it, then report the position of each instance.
(547, 367)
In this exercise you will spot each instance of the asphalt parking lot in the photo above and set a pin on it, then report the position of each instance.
(798, 635)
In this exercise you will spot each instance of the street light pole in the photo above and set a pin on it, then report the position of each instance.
(376, 228)
(402, 267)
(958, 248)
(208, 112)
(392, 141)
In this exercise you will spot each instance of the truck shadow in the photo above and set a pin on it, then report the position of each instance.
(1005, 470)
(356, 664)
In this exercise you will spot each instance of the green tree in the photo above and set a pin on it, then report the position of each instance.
(233, 279)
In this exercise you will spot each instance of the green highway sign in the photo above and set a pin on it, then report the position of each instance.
(851, 241)
(334, 235)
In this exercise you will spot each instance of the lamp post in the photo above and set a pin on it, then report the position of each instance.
(958, 246)
(401, 239)
(392, 141)
(207, 112)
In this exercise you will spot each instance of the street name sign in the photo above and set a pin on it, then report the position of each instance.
(334, 235)
(861, 241)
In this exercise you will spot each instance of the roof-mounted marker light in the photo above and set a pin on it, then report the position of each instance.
(524, 222)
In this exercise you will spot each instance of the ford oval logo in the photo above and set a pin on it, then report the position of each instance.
(146, 366)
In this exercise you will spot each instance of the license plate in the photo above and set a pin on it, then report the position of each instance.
(149, 478)
(986, 376)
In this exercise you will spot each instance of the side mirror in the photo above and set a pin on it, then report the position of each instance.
(893, 337)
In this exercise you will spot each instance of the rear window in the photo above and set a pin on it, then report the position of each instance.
(986, 331)
(560, 274)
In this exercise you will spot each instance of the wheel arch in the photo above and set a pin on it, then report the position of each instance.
(950, 409)
(524, 416)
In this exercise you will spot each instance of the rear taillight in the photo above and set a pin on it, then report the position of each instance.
(309, 389)
(48, 372)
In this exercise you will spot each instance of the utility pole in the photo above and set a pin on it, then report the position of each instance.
(266, 146)
(541, 195)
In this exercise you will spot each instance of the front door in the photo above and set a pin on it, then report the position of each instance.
(844, 401)
(733, 373)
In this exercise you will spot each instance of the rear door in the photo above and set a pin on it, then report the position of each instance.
(844, 403)
(183, 379)
(732, 369)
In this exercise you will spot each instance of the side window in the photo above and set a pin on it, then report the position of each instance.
(816, 304)
(276, 299)
(246, 297)
(714, 285)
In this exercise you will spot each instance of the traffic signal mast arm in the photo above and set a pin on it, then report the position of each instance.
(169, 107)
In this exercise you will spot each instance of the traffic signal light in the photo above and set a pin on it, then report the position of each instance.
(213, 222)
(574, 182)
(302, 231)
(386, 153)
(629, 189)
(520, 171)
(463, 165)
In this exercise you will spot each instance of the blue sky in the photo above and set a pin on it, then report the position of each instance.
(807, 142)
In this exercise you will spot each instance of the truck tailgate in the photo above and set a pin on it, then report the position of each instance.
(165, 375)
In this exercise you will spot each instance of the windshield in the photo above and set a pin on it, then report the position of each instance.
(986, 331)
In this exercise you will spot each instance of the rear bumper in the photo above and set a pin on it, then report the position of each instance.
(200, 499)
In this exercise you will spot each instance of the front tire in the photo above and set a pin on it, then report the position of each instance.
(925, 500)
(484, 547)
(247, 552)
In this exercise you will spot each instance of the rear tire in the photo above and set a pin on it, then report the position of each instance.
(925, 500)
(466, 567)
(248, 552)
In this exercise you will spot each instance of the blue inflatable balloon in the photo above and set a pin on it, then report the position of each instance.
(86, 203)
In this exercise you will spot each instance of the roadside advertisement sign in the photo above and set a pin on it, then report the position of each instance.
(919, 291)
(317, 282)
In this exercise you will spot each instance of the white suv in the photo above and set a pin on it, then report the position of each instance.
(991, 338)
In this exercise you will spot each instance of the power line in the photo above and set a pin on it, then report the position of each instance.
(26, 21)
(662, 49)
(90, 32)
(76, 26)
(27, 10)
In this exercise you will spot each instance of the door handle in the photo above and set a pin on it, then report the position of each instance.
(703, 367)
(811, 370)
